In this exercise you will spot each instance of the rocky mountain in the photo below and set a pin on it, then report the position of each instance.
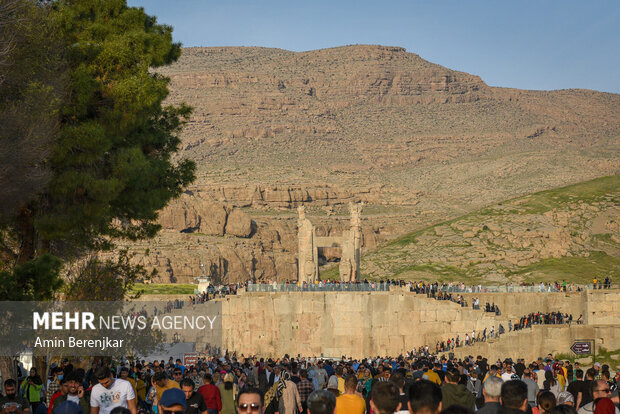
(416, 142)
(571, 233)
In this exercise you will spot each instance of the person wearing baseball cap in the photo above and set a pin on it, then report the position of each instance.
(172, 402)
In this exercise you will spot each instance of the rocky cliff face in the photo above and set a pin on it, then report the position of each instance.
(416, 142)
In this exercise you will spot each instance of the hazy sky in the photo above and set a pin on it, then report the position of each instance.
(541, 44)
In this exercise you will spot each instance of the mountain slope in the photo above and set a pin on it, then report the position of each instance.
(570, 233)
(418, 143)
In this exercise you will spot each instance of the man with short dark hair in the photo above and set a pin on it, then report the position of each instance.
(305, 388)
(75, 394)
(349, 401)
(385, 398)
(424, 398)
(161, 383)
(584, 396)
(110, 393)
(211, 395)
(322, 402)
(399, 380)
(11, 401)
(195, 401)
(575, 387)
(456, 394)
(250, 400)
(177, 374)
(514, 397)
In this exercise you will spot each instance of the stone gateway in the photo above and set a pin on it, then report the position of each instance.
(309, 244)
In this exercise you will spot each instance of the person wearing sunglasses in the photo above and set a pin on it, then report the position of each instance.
(172, 401)
(250, 400)
(598, 389)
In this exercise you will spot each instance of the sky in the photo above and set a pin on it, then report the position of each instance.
(526, 44)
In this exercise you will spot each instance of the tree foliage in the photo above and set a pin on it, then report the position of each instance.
(104, 280)
(110, 163)
(35, 280)
(33, 80)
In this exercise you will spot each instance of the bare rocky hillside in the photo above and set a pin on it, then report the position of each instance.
(416, 142)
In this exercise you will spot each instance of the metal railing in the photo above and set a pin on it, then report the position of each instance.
(329, 287)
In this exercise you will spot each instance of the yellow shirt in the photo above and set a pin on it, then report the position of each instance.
(432, 376)
(160, 390)
(341, 385)
(350, 404)
(141, 389)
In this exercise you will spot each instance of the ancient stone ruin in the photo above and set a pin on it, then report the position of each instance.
(310, 243)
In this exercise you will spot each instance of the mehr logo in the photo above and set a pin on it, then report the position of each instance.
(63, 320)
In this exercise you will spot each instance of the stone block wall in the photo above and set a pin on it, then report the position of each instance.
(361, 324)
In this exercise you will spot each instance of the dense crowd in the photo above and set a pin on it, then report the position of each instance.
(540, 318)
(413, 383)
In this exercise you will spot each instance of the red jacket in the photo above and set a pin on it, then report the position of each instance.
(212, 396)
(54, 396)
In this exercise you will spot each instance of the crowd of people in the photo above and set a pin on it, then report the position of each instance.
(417, 382)
(441, 291)
(540, 318)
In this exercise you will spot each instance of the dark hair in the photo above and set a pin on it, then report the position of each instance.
(321, 402)
(350, 382)
(563, 409)
(453, 375)
(303, 373)
(578, 374)
(71, 376)
(10, 383)
(102, 373)
(186, 382)
(546, 401)
(120, 410)
(398, 380)
(424, 394)
(386, 396)
(123, 369)
(159, 376)
(249, 390)
(208, 377)
(549, 380)
(514, 392)
(457, 409)
(591, 372)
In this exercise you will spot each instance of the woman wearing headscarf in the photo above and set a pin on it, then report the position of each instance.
(290, 401)
(228, 392)
(32, 389)
(365, 383)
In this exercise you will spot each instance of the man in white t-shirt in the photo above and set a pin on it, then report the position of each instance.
(111, 393)
(508, 375)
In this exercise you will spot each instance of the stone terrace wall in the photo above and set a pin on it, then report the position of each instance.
(359, 324)
(342, 323)
(543, 339)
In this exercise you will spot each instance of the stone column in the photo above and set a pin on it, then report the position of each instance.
(356, 239)
(306, 261)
